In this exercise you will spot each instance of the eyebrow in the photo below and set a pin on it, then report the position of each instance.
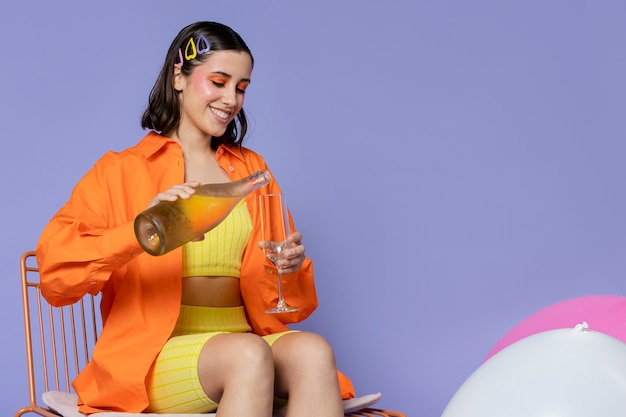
(225, 74)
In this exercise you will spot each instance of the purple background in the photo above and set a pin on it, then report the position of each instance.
(454, 166)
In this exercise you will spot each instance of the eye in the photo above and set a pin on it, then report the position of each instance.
(218, 81)
(242, 86)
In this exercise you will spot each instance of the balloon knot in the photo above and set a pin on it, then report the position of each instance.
(581, 327)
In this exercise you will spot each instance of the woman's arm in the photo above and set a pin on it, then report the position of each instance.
(86, 240)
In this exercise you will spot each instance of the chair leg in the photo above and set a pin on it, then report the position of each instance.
(375, 412)
(37, 410)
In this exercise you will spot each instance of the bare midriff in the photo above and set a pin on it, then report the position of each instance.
(211, 291)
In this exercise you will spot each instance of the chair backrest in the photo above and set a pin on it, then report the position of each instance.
(59, 340)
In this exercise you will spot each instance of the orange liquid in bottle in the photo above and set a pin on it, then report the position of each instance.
(169, 224)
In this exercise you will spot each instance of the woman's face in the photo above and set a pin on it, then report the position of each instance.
(212, 95)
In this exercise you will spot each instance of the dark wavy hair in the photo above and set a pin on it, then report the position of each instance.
(163, 111)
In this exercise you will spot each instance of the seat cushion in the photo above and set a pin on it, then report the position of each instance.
(65, 404)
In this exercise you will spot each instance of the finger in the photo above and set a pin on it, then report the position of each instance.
(198, 239)
(295, 237)
(289, 269)
(295, 252)
(291, 263)
(183, 191)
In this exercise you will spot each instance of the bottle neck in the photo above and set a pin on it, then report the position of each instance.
(260, 178)
(239, 188)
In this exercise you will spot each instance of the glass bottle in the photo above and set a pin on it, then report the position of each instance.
(169, 224)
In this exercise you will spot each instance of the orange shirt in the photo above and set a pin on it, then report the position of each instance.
(89, 246)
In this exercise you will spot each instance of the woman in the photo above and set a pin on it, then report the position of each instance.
(187, 331)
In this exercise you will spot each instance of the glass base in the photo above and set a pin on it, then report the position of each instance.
(282, 307)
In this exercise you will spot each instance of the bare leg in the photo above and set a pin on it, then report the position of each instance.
(306, 373)
(237, 371)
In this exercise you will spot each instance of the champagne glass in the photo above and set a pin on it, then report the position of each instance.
(274, 233)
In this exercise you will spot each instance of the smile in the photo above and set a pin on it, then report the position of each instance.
(221, 114)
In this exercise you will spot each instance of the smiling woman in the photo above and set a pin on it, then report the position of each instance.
(187, 331)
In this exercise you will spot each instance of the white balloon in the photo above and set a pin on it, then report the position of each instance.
(557, 373)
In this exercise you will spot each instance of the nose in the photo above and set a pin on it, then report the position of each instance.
(229, 97)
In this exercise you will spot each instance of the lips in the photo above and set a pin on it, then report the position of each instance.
(220, 114)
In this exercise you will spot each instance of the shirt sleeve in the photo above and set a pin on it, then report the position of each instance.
(85, 241)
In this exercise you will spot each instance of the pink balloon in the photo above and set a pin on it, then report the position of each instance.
(603, 313)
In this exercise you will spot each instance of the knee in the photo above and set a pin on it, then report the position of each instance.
(251, 352)
(311, 348)
(235, 363)
(231, 355)
(302, 360)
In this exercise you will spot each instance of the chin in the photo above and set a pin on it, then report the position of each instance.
(215, 133)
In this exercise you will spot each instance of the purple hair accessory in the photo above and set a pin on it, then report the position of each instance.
(204, 50)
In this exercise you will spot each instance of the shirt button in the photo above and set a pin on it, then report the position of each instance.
(231, 169)
(221, 150)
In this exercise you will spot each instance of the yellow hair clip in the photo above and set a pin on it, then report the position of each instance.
(190, 56)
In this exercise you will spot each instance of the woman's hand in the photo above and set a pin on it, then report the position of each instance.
(184, 191)
(293, 256)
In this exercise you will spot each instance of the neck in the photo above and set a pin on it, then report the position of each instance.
(193, 144)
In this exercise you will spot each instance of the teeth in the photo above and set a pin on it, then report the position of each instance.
(220, 114)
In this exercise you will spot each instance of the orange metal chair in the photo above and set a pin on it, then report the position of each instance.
(59, 341)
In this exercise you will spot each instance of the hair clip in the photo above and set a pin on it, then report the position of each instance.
(193, 49)
(190, 56)
(204, 50)
(179, 64)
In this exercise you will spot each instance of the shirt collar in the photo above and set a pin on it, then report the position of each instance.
(232, 150)
(154, 142)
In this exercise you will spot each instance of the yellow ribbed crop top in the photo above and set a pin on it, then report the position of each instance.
(220, 253)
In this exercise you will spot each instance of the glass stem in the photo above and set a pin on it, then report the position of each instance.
(281, 300)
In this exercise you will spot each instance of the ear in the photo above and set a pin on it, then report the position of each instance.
(179, 79)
